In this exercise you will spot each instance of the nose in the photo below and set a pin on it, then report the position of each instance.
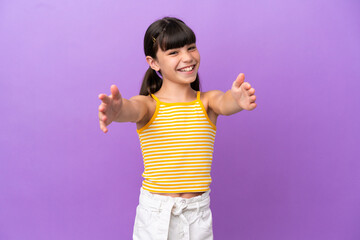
(187, 57)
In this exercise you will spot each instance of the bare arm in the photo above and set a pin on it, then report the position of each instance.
(240, 96)
(118, 109)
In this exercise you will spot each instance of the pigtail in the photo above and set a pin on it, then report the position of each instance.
(151, 82)
(196, 84)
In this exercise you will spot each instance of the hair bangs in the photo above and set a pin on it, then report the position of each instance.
(176, 36)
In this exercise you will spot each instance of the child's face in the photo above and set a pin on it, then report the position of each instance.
(179, 64)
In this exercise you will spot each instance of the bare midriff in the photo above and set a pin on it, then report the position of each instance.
(183, 195)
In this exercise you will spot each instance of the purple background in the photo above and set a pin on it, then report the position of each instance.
(287, 170)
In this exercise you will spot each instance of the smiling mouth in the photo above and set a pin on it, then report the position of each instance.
(187, 69)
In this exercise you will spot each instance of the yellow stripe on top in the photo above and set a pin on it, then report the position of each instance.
(177, 148)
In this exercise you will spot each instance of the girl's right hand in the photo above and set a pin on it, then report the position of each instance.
(110, 107)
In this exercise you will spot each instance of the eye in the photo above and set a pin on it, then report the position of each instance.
(192, 48)
(173, 52)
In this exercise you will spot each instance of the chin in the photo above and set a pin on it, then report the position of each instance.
(190, 80)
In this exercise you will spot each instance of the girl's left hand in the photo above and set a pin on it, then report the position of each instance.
(243, 93)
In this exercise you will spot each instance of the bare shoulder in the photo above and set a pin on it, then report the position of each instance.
(141, 98)
(212, 93)
(150, 106)
(146, 101)
(208, 96)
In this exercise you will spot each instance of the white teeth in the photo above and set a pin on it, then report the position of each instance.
(188, 69)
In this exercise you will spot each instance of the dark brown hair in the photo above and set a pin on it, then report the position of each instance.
(166, 33)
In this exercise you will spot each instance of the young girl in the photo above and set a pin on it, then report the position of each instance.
(176, 126)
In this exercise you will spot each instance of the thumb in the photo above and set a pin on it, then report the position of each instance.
(239, 80)
(115, 92)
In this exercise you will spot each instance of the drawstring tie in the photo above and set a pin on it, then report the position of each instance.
(177, 208)
(174, 206)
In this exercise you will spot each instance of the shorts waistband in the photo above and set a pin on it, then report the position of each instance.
(157, 202)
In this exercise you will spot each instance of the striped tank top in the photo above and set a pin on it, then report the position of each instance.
(177, 148)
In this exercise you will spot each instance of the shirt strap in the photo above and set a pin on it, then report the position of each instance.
(154, 97)
(198, 95)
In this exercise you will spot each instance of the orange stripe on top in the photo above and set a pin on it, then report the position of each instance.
(177, 146)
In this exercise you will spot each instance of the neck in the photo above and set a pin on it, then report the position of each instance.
(170, 92)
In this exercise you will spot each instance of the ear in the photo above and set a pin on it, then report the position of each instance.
(152, 63)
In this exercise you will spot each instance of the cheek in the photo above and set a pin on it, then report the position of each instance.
(172, 64)
(197, 56)
(168, 68)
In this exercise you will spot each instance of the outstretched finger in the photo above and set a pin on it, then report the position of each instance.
(253, 106)
(252, 98)
(102, 117)
(102, 108)
(105, 99)
(115, 93)
(103, 127)
(239, 80)
(102, 122)
(251, 91)
(246, 86)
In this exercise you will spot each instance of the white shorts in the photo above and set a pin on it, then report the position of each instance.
(161, 217)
